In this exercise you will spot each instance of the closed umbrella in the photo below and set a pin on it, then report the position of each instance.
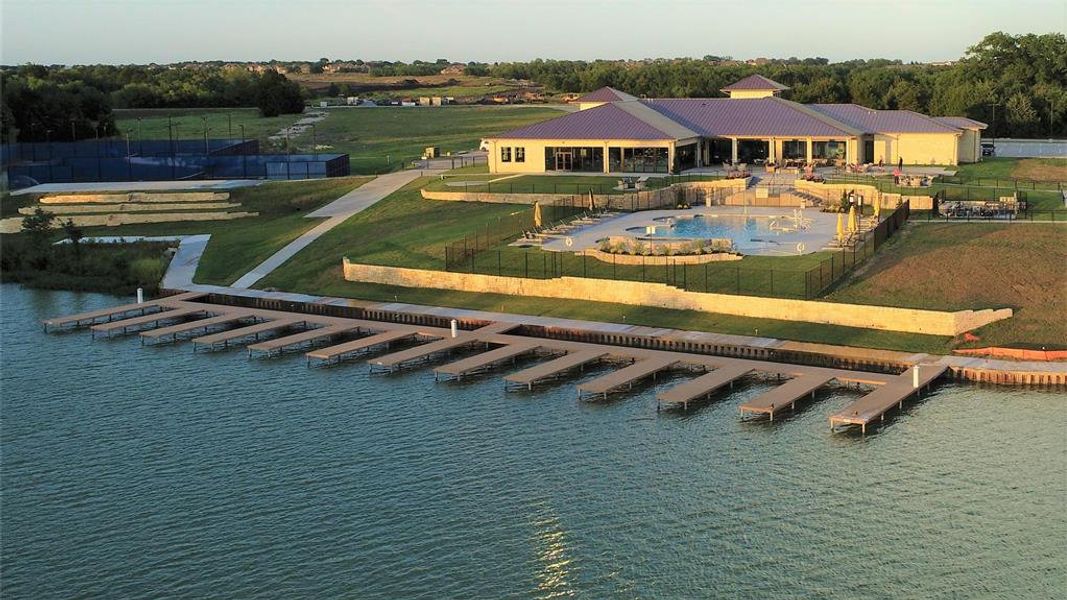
(840, 227)
(853, 226)
(877, 208)
(592, 203)
(537, 215)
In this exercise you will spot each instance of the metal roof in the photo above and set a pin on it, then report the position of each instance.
(755, 82)
(606, 94)
(870, 120)
(605, 122)
(747, 117)
(961, 122)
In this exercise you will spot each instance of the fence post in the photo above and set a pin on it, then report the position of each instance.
(526, 263)
(498, 272)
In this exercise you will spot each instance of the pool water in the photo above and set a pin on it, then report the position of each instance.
(746, 232)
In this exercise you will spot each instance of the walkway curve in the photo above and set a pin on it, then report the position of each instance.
(335, 213)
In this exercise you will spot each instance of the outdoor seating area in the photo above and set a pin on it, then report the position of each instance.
(1005, 208)
(735, 170)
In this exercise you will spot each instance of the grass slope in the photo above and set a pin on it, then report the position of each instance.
(950, 266)
(406, 230)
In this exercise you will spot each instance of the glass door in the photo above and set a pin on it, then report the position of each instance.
(564, 160)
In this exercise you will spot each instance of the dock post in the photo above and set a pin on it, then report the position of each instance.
(455, 328)
(140, 296)
(915, 377)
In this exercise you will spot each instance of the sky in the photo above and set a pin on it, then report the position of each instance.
(162, 31)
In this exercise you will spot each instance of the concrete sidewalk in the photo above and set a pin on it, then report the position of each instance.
(335, 213)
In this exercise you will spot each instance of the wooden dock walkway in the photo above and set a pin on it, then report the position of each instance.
(484, 361)
(554, 368)
(877, 403)
(332, 353)
(785, 395)
(702, 386)
(425, 352)
(422, 352)
(279, 345)
(225, 337)
(626, 377)
(173, 330)
(149, 319)
(112, 313)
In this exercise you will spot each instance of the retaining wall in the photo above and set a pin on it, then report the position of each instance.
(664, 296)
(869, 193)
(660, 197)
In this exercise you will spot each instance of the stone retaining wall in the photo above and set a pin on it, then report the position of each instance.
(653, 260)
(656, 198)
(657, 294)
(136, 197)
(870, 193)
(73, 209)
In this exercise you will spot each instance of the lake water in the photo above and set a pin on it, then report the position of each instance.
(157, 472)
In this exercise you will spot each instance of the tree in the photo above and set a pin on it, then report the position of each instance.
(333, 90)
(277, 95)
(38, 227)
(1020, 114)
(74, 234)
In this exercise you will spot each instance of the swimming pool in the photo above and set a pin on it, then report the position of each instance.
(746, 232)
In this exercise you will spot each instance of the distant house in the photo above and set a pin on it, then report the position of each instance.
(615, 132)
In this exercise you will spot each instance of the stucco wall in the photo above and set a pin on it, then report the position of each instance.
(664, 296)
(927, 148)
(535, 151)
(970, 146)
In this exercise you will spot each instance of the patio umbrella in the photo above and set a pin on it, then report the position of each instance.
(840, 227)
(853, 226)
(592, 203)
(877, 208)
(537, 215)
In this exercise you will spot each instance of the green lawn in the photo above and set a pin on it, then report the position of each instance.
(954, 266)
(238, 246)
(385, 138)
(1031, 169)
(221, 123)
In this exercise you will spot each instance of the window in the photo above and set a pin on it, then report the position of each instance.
(520, 154)
(505, 154)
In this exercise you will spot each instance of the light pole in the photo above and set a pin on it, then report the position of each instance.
(204, 120)
(229, 123)
(314, 137)
(140, 138)
(73, 135)
(993, 125)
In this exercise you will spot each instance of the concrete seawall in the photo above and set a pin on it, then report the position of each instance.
(907, 320)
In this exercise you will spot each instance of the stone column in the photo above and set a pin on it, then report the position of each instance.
(733, 149)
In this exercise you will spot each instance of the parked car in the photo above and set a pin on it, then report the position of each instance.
(988, 149)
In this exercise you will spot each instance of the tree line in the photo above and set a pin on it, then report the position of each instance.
(58, 103)
(1023, 78)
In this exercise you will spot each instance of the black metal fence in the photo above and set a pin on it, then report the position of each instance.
(463, 253)
(485, 254)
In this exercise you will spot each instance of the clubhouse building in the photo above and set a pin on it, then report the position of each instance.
(614, 132)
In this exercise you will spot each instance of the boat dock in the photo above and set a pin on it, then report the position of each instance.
(195, 325)
(426, 352)
(785, 395)
(225, 337)
(702, 386)
(279, 345)
(124, 311)
(153, 318)
(557, 356)
(553, 368)
(876, 404)
(484, 361)
(626, 377)
(336, 353)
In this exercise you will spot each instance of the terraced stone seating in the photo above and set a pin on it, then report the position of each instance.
(110, 210)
